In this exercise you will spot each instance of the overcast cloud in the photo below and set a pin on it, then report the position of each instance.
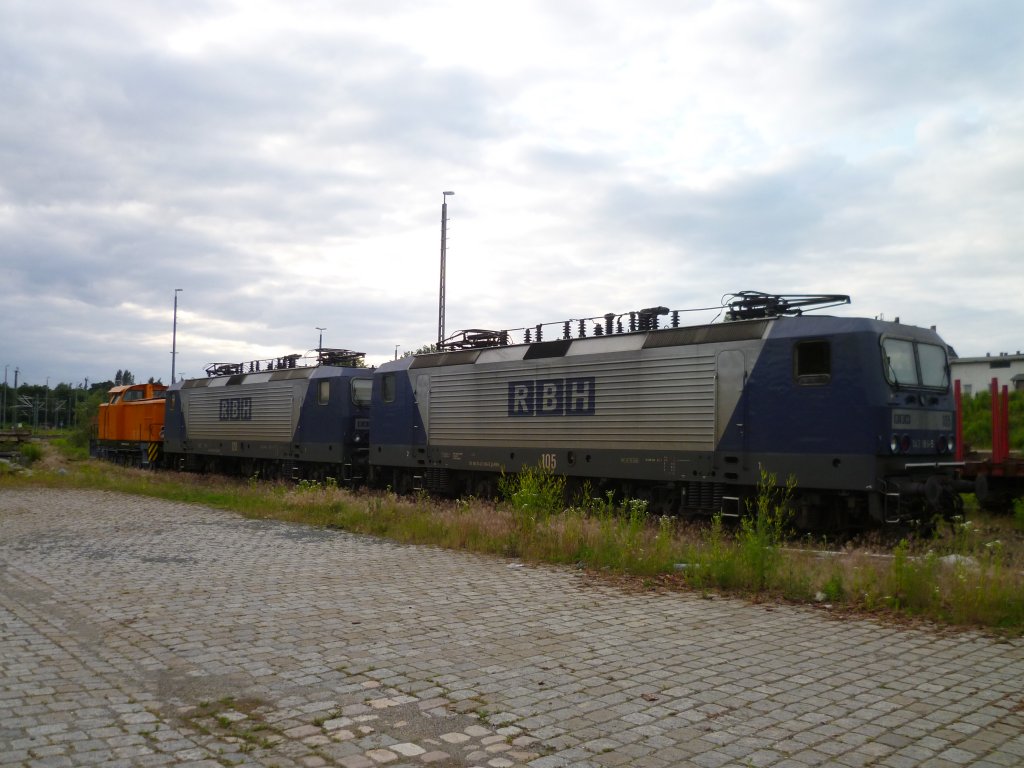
(283, 163)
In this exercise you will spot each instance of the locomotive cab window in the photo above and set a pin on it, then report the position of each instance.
(812, 362)
(323, 392)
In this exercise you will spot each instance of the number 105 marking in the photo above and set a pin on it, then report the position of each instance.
(549, 461)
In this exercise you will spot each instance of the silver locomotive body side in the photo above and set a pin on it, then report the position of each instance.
(301, 422)
(647, 407)
(261, 411)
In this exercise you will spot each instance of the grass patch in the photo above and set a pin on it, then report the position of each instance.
(970, 573)
(238, 719)
(30, 453)
(71, 448)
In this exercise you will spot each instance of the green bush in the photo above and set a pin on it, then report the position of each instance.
(85, 418)
(535, 490)
(533, 495)
(31, 453)
(977, 420)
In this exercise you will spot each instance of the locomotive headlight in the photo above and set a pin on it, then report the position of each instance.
(894, 444)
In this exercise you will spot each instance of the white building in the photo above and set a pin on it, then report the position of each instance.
(976, 373)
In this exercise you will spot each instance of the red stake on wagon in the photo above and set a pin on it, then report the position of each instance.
(998, 479)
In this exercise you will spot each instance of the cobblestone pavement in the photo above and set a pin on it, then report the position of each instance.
(136, 632)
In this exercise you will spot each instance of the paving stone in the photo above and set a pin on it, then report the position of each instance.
(381, 755)
(137, 632)
(435, 756)
(408, 749)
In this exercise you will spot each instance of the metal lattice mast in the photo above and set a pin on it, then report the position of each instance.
(444, 253)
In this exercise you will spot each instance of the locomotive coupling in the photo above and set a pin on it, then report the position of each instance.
(932, 489)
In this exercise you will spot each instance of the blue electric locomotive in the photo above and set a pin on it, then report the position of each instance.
(858, 411)
(273, 419)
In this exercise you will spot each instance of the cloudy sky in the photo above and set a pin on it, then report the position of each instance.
(282, 162)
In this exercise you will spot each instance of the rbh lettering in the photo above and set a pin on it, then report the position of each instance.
(235, 409)
(552, 397)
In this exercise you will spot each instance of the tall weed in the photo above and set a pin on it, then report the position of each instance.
(533, 495)
(30, 453)
(911, 581)
(764, 530)
(716, 564)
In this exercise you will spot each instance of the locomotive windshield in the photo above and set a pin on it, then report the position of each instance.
(934, 369)
(915, 364)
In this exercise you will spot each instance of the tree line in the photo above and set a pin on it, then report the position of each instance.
(64, 405)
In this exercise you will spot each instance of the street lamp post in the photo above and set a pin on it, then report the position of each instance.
(174, 334)
(320, 344)
(3, 407)
(444, 252)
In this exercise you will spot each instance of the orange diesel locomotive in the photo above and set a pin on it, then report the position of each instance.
(130, 425)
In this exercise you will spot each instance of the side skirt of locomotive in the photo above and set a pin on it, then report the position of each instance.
(271, 460)
(129, 453)
(832, 492)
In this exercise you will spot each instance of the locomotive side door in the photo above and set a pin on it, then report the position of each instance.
(423, 403)
(729, 381)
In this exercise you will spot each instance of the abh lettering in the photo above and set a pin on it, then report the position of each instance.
(552, 397)
(235, 409)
